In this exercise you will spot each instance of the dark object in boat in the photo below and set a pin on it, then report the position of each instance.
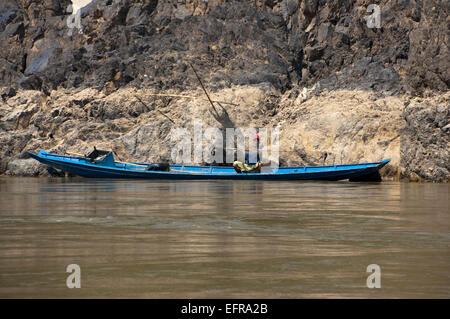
(97, 154)
(161, 167)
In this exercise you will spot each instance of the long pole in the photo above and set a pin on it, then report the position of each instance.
(187, 97)
(150, 109)
(207, 95)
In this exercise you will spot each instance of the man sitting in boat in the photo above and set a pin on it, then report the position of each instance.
(246, 168)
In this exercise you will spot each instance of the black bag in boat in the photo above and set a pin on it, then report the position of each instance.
(158, 167)
(97, 154)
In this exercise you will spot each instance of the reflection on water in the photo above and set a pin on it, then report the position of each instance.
(213, 239)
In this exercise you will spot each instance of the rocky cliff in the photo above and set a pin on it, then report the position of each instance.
(332, 82)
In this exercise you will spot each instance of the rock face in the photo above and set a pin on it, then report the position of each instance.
(425, 139)
(316, 68)
(150, 42)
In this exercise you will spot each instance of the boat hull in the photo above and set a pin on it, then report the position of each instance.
(82, 167)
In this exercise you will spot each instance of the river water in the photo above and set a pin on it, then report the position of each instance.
(223, 239)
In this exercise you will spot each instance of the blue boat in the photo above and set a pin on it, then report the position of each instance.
(106, 167)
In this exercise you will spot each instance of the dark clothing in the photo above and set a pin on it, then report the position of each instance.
(247, 158)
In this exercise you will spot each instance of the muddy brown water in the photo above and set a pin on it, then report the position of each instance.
(222, 239)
